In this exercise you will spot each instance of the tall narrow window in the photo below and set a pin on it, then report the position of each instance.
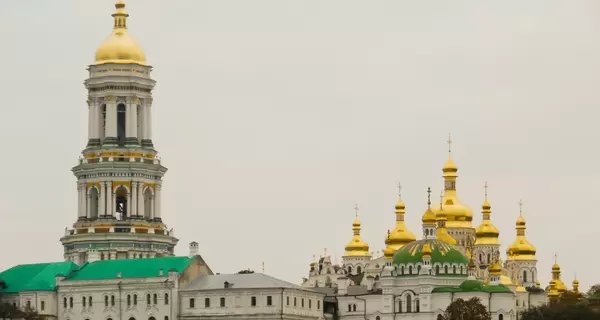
(166, 298)
(524, 276)
(155, 299)
(446, 269)
(128, 300)
(437, 269)
(358, 270)
(417, 306)
(287, 300)
(83, 302)
(269, 301)
(222, 302)
(135, 299)
(302, 303)
(43, 305)
(295, 304)
(454, 269)
(408, 303)
(71, 302)
(90, 301)
(309, 303)
(148, 299)
(192, 303)
(147, 203)
(400, 306)
(112, 301)
(103, 124)
(409, 269)
(318, 304)
(350, 269)
(65, 302)
(500, 317)
(93, 197)
(122, 206)
(253, 301)
(106, 301)
(121, 120)
(207, 302)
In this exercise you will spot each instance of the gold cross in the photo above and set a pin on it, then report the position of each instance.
(429, 196)
(449, 144)
(399, 190)
(356, 210)
(521, 206)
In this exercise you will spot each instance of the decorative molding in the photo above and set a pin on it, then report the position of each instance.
(108, 98)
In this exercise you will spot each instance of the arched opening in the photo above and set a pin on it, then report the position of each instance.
(121, 123)
(349, 308)
(353, 307)
(488, 258)
(501, 317)
(461, 270)
(148, 203)
(399, 306)
(446, 269)
(358, 270)
(524, 276)
(409, 269)
(166, 298)
(132, 318)
(454, 269)
(350, 269)
(121, 200)
(409, 303)
(155, 299)
(437, 269)
(402, 270)
(418, 269)
(151, 318)
(378, 318)
(417, 306)
(140, 121)
(440, 317)
(532, 276)
(103, 124)
(93, 198)
(481, 258)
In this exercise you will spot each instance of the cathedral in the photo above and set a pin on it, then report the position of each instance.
(418, 279)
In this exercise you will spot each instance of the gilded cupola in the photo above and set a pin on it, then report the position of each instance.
(442, 233)
(357, 247)
(486, 233)
(400, 235)
(559, 285)
(521, 249)
(120, 47)
(575, 286)
(458, 215)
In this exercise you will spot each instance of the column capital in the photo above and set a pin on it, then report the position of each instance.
(109, 98)
(158, 186)
(133, 99)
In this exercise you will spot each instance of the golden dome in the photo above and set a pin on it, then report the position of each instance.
(486, 233)
(458, 214)
(400, 235)
(357, 247)
(428, 217)
(120, 47)
(495, 269)
(442, 233)
(426, 250)
(521, 249)
(575, 285)
(521, 289)
(505, 280)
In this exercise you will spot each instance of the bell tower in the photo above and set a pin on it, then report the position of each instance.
(119, 175)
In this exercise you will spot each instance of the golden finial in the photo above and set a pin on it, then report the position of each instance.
(356, 210)
(441, 199)
(485, 187)
(120, 15)
(399, 191)
(449, 144)
(555, 258)
(429, 197)
(388, 234)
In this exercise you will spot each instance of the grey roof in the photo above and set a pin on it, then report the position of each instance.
(240, 281)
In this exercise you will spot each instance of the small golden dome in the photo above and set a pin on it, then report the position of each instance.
(494, 269)
(428, 217)
(357, 247)
(400, 235)
(556, 267)
(458, 214)
(521, 249)
(120, 47)
(442, 233)
(486, 233)
(521, 222)
(388, 252)
(426, 250)
(506, 281)
(450, 166)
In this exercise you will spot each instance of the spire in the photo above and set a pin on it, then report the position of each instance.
(486, 233)
(400, 235)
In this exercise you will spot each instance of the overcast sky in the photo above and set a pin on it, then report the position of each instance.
(276, 117)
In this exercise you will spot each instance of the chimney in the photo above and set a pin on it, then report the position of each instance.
(93, 256)
(342, 285)
(227, 285)
(193, 249)
(59, 278)
(370, 282)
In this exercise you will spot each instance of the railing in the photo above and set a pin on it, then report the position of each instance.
(101, 159)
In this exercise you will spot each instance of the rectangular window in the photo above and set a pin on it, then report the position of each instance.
(192, 303)
(112, 301)
(302, 303)
(309, 303)
(43, 305)
(269, 300)
(287, 300)
(253, 301)
(28, 304)
(207, 302)
(295, 304)
(90, 301)
(222, 302)
(318, 304)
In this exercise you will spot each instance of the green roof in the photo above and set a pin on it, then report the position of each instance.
(34, 277)
(131, 268)
(441, 252)
(474, 286)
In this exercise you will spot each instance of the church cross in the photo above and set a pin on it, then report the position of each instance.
(449, 144)
(521, 207)
(356, 210)
(399, 190)
(485, 187)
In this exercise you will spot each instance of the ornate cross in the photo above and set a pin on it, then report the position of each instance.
(399, 190)
(449, 143)
(356, 210)
(521, 206)
(429, 196)
(485, 187)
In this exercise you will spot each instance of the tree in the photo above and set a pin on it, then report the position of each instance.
(594, 289)
(559, 312)
(471, 309)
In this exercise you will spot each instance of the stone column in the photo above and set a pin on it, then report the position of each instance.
(132, 121)
(152, 207)
(99, 122)
(110, 205)
(79, 201)
(147, 140)
(157, 200)
(102, 205)
(89, 205)
(140, 204)
(111, 121)
(134, 199)
(129, 202)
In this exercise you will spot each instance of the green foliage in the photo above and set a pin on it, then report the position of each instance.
(471, 309)
(9, 311)
(569, 306)
(594, 289)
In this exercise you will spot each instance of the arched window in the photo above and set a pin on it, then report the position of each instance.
(121, 199)
(402, 270)
(409, 269)
(112, 301)
(409, 303)
(353, 307)
(135, 299)
(481, 258)
(377, 318)
(71, 302)
(446, 269)
(454, 269)
(400, 306)
(500, 317)
(155, 299)
(417, 306)
(418, 269)
(151, 318)
(349, 308)
(349, 269)
(106, 301)
(132, 318)
(488, 258)
(65, 302)
(103, 124)
(90, 301)
(437, 269)
(148, 299)
(166, 317)
(128, 300)
(166, 298)
(121, 123)
(532, 275)
(83, 302)
(358, 270)
(440, 317)
(93, 198)
(461, 269)
(524, 276)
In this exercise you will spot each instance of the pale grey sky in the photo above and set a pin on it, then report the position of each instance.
(276, 117)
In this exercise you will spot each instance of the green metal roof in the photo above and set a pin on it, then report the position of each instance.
(130, 268)
(474, 286)
(441, 252)
(34, 277)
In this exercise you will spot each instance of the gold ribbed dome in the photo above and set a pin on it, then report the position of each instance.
(357, 247)
(458, 214)
(441, 232)
(120, 47)
(486, 233)
(521, 249)
(559, 285)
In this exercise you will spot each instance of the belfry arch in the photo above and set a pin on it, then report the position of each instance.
(122, 202)
(93, 198)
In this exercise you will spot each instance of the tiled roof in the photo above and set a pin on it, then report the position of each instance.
(130, 268)
(34, 277)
